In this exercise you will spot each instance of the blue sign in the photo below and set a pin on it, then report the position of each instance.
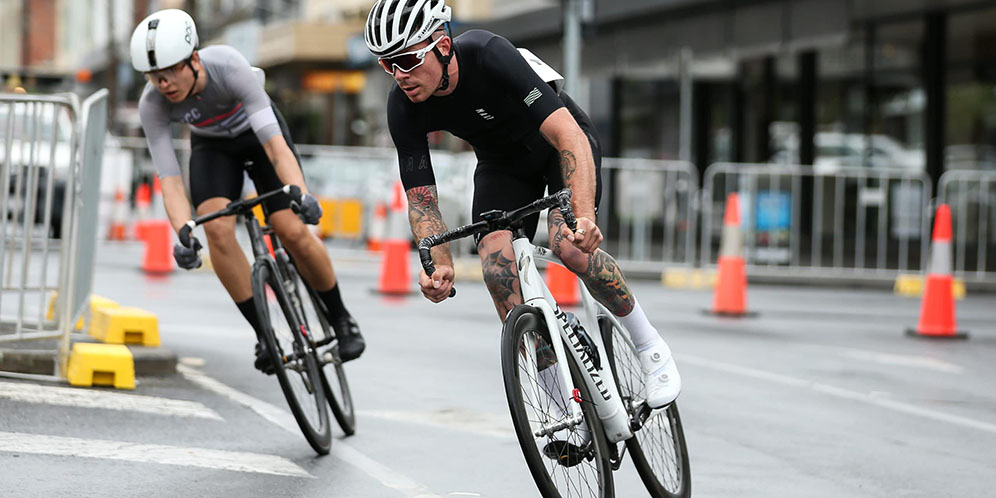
(774, 210)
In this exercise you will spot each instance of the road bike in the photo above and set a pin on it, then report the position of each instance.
(573, 420)
(303, 346)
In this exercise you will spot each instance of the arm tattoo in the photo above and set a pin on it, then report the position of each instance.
(423, 211)
(568, 164)
(555, 220)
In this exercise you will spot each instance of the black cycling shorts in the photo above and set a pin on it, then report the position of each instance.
(508, 183)
(217, 166)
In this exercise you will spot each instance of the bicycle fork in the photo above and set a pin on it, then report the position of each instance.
(599, 379)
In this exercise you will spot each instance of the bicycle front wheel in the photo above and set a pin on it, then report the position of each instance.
(333, 376)
(294, 359)
(567, 456)
(658, 448)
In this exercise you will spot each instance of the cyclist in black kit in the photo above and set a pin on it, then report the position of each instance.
(527, 138)
(232, 123)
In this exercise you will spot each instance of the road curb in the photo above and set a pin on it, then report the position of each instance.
(149, 362)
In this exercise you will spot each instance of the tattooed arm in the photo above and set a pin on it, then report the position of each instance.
(577, 164)
(576, 161)
(425, 220)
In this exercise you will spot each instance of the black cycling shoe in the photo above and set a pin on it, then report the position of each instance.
(351, 343)
(568, 454)
(264, 362)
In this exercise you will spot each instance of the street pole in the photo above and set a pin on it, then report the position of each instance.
(112, 67)
(685, 109)
(572, 46)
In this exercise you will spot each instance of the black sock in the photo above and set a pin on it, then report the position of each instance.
(333, 302)
(248, 310)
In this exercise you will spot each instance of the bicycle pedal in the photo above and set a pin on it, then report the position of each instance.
(567, 453)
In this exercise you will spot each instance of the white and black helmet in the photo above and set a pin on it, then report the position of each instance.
(394, 25)
(162, 40)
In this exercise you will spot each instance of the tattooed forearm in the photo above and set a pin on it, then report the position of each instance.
(605, 281)
(502, 281)
(554, 221)
(568, 164)
(425, 218)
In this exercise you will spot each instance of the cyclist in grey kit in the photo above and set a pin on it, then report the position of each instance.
(234, 129)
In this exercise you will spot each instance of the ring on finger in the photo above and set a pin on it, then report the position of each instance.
(581, 231)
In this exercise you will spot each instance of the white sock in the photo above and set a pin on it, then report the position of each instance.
(642, 333)
(549, 378)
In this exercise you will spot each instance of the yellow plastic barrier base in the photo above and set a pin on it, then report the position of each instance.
(912, 286)
(101, 365)
(342, 218)
(125, 326)
(688, 278)
(96, 302)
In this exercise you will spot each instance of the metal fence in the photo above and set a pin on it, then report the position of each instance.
(652, 214)
(852, 223)
(972, 197)
(50, 163)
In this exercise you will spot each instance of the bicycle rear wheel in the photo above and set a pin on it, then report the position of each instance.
(566, 458)
(294, 359)
(333, 376)
(658, 448)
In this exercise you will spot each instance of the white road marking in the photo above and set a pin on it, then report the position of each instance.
(838, 392)
(283, 419)
(456, 419)
(92, 398)
(911, 361)
(15, 442)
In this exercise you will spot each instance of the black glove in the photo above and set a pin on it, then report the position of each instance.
(308, 208)
(187, 257)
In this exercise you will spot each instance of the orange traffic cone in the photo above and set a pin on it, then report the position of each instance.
(158, 238)
(143, 203)
(116, 229)
(158, 206)
(730, 296)
(394, 276)
(937, 309)
(376, 236)
(563, 284)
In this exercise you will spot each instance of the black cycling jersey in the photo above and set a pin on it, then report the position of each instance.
(497, 106)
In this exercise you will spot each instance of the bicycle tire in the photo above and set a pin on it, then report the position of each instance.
(284, 340)
(334, 382)
(658, 449)
(526, 320)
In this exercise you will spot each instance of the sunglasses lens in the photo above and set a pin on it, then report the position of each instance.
(405, 62)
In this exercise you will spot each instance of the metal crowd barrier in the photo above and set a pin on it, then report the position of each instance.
(852, 223)
(50, 166)
(972, 197)
(652, 221)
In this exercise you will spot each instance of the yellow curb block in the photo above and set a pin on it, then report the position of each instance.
(101, 364)
(467, 270)
(688, 278)
(125, 326)
(96, 302)
(912, 286)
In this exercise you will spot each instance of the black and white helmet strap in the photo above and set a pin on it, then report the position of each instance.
(150, 42)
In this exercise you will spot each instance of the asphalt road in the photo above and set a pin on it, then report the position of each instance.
(820, 395)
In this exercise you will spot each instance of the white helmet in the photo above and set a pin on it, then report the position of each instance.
(163, 39)
(394, 25)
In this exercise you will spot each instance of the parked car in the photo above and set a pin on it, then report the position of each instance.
(835, 151)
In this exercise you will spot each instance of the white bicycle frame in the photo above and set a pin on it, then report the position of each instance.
(600, 381)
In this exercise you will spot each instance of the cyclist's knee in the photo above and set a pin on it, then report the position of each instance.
(574, 259)
(291, 233)
(220, 233)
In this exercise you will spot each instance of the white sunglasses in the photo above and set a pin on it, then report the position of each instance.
(408, 61)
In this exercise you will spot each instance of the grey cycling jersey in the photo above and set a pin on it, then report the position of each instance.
(232, 102)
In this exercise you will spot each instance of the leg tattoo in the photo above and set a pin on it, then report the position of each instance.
(599, 272)
(503, 282)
